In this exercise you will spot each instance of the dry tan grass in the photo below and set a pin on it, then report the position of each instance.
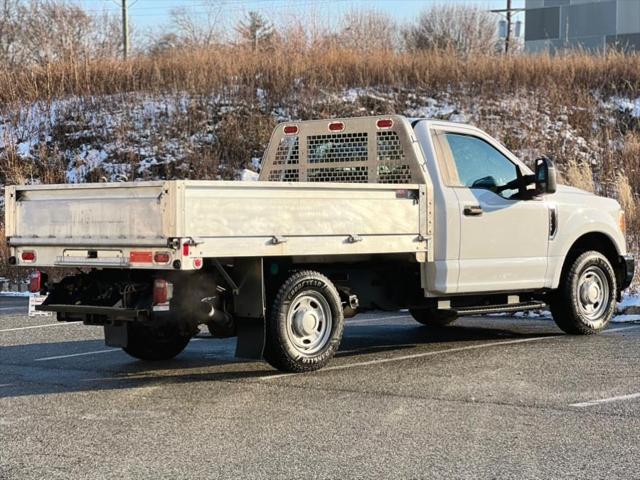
(579, 175)
(234, 70)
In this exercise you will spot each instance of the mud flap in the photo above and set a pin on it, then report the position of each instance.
(251, 338)
(249, 299)
(116, 335)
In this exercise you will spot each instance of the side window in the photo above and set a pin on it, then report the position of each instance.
(480, 165)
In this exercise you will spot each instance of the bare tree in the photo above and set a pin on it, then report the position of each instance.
(465, 29)
(44, 31)
(54, 31)
(302, 29)
(10, 20)
(104, 40)
(368, 30)
(256, 31)
(202, 29)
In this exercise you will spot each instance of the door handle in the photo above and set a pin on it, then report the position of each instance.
(472, 210)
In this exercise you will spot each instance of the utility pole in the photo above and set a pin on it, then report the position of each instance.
(125, 29)
(508, 15)
(507, 39)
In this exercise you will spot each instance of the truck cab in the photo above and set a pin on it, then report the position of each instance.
(491, 238)
(348, 215)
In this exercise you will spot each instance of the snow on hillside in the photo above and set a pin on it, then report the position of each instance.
(144, 136)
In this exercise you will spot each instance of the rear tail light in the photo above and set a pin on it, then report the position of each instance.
(197, 263)
(35, 282)
(185, 249)
(162, 257)
(336, 126)
(162, 291)
(140, 257)
(28, 256)
(291, 130)
(384, 123)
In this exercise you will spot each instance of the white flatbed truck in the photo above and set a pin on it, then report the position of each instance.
(348, 215)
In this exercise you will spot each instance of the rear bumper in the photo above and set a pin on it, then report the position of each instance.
(628, 269)
(89, 312)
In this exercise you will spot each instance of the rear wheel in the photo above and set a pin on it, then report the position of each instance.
(305, 325)
(586, 299)
(433, 318)
(155, 343)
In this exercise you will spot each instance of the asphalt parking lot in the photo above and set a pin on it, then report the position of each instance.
(485, 398)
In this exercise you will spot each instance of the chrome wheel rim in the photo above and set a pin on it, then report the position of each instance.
(593, 293)
(309, 323)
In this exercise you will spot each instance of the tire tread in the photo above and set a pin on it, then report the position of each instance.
(563, 306)
(275, 353)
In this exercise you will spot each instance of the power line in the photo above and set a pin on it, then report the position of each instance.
(149, 13)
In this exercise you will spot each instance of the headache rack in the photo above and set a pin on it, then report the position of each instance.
(356, 150)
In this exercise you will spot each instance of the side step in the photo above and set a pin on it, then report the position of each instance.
(507, 307)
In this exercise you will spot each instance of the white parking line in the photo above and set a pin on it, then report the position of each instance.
(619, 398)
(13, 308)
(619, 329)
(59, 324)
(418, 355)
(373, 320)
(437, 352)
(58, 357)
(6, 385)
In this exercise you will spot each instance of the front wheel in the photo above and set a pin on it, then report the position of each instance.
(305, 325)
(155, 343)
(586, 299)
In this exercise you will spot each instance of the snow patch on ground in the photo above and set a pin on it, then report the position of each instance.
(625, 105)
(629, 300)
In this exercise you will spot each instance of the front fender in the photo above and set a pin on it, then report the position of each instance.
(574, 223)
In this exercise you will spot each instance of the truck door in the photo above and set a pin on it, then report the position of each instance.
(503, 239)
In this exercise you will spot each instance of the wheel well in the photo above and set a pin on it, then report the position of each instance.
(598, 242)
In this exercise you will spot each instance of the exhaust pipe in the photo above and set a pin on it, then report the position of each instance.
(216, 318)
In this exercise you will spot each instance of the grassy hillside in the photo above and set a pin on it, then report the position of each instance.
(206, 113)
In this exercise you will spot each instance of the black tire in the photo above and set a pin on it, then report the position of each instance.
(284, 348)
(155, 343)
(218, 330)
(568, 303)
(433, 318)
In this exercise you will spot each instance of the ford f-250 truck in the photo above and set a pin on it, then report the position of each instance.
(349, 215)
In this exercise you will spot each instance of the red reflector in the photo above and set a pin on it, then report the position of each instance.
(162, 257)
(336, 126)
(29, 256)
(290, 129)
(160, 291)
(140, 257)
(185, 249)
(384, 123)
(197, 263)
(35, 282)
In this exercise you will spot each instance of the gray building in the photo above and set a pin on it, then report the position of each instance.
(593, 25)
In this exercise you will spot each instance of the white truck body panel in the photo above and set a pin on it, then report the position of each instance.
(237, 219)
(580, 213)
(222, 219)
(76, 214)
